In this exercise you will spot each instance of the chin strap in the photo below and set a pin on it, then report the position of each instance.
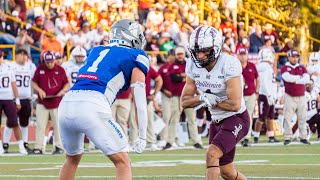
(212, 167)
(237, 176)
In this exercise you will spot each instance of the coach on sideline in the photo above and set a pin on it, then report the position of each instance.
(295, 76)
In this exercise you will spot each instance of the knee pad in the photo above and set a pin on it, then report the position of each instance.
(199, 122)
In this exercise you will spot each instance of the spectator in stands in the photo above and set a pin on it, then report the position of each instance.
(183, 35)
(193, 16)
(230, 8)
(98, 34)
(144, 7)
(61, 22)
(79, 39)
(268, 45)
(256, 40)
(228, 27)
(12, 27)
(51, 83)
(50, 43)
(295, 76)
(64, 37)
(271, 34)
(34, 34)
(24, 41)
(155, 17)
(283, 59)
(48, 24)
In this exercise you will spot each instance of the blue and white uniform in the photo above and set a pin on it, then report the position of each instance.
(86, 108)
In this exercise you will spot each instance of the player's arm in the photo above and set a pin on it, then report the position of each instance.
(139, 95)
(188, 100)
(16, 94)
(233, 90)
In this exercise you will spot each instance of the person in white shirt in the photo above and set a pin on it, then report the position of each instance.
(9, 92)
(267, 95)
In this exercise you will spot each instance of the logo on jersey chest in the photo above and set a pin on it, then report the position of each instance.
(88, 76)
(196, 75)
(207, 84)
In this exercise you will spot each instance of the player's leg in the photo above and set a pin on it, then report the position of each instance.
(24, 115)
(223, 139)
(290, 107)
(12, 122)
(229, 172)
(122, 162)
(269, 123)
(71, 137)
(263, 110)
(1, 147)
(200, 119)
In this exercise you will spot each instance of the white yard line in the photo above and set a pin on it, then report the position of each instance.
(156, 176)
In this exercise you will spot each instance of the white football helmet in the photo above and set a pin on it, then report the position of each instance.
(205, 39)
(78, 55)
(128, 33)
(314, 58)
(266, 55)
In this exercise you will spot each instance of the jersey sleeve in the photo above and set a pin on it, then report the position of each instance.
(232, 68)
(143, 63)
(189, 64)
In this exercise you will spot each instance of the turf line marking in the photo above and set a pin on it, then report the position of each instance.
(155, 176)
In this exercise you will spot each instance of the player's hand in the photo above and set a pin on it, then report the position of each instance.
(139, 145)
(18, 106)
(42, 94)
(211, 99)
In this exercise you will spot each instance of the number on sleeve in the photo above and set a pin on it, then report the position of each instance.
(95, 64)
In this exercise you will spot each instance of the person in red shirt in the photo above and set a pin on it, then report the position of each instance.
(250, 88)
(121, 110)
(178, 79)
(51, 83)
(166, 98)
(295, 77)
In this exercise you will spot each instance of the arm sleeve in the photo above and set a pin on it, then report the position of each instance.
(289, 77)
(140, 99)
(143, 63)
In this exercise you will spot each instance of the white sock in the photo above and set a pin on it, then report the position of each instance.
(24, 132)
(199, 122)
(21, 145)
(7, 134)
(256, 134)
(1, 147)
(45, 140)
(270, 134)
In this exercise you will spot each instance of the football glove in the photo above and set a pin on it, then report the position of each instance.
(211, 99)
(139, 145)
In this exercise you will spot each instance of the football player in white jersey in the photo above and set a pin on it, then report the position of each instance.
(217, 78)
(267, 95)
(86, 108)
(313, 117)
(77, 57)
(9, 92)
(24, 71)
(314, 68)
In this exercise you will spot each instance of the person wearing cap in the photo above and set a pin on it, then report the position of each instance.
(295, 77)
(24, 71)
(24, 41)
(166, 97)
(178, 80)
(250, 88)
(273, 36)
(10, 104)
(51, 83)
(35, 35)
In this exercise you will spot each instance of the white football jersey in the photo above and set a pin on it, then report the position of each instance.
(268, 86)
(215, 81)
(71, 69)
(311, 99)
(6, 78)
(23, 75)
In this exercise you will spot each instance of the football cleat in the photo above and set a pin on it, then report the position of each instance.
(197, 146)
(5, 147)
(273, 140)
(305, 141)
(245, 143)
(255, 140)
(58, 151)
(168, 146)
(287, 142)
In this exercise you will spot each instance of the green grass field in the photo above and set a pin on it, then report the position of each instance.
(256, 162)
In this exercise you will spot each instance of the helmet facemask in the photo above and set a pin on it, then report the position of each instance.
(203, 63)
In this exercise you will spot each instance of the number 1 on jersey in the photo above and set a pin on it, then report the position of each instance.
(95, 64)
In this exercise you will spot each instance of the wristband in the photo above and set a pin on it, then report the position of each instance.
(17, 101)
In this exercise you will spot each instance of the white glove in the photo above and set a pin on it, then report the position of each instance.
(139, 145)
(211, 99)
